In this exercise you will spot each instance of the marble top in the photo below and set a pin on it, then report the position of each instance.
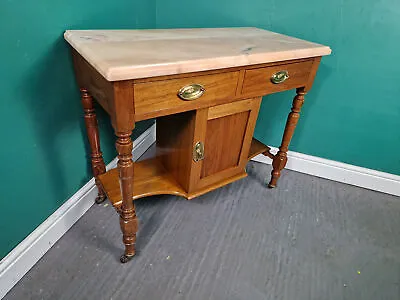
(130, 54)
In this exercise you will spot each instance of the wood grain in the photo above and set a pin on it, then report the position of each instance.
(251, 124)
(227, 141)
(92, 131)
(159, 98)
(122, 107)
(239, 87)
(224, 142)
(256, 148)
(218, 71)
(151, 178)
(88, 78)
(174, 142)
(128, 219)
(223, 119)
(199, 136)
(229, 109)
(227, 179)
(115, 97)
(257, 82)
(280, 159)
(313, 72)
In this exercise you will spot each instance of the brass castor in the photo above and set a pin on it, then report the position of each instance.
(100, 199)
(124, 258)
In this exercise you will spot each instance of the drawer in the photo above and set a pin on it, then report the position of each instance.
(258, 82)
(158, 98)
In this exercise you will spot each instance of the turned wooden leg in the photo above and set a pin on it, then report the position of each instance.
(280, 159)
(128, 220)
(98, 166)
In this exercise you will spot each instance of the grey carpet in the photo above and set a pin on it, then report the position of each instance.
(308, 239)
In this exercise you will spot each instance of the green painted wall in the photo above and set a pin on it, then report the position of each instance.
(42, 153)
(352, 113)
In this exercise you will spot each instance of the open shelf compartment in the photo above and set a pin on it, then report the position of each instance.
(257, 148)
(151, 178)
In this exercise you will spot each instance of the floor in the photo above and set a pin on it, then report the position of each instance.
(310, 238)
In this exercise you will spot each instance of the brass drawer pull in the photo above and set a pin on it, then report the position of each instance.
(191, 92)
(280, 76)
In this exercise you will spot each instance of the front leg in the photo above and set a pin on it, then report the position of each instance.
(280, 159)
(128, 220)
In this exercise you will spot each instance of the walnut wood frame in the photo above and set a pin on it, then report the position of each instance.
(121, 99)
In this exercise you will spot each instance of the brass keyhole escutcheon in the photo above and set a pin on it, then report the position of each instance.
(198, 151)
(279, 77)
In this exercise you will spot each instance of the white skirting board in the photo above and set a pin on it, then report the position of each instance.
(25, 255)
(337, 171)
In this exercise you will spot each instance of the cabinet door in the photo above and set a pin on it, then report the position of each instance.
(227, 134)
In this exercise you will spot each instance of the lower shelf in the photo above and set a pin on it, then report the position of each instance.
(257, 148)
(151, 178)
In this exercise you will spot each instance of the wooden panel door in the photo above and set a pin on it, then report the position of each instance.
(227, 134)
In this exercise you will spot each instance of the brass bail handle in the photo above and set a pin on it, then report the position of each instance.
(191, 92)
(280, 77)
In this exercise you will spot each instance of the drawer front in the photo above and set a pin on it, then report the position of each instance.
(158, 98)
(258, 82)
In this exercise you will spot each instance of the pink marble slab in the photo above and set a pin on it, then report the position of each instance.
(130, 54)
